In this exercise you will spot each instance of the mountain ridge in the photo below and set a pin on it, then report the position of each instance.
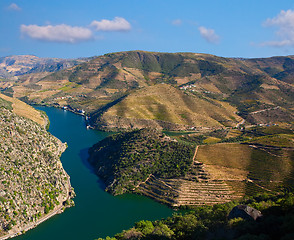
(17, 65)
(249, 85)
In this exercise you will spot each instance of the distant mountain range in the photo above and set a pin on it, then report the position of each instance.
(173, 91)
(12, 66)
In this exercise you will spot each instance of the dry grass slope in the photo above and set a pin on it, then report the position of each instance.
(209, 85)
(22, 109)
(166, 103)
(248, 168)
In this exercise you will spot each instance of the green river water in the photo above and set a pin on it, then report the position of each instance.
(96, 213)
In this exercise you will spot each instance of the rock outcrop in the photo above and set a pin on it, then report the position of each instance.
(245, 212)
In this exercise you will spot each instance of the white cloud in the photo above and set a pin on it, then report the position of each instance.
(57, 33)
(13, 7)
(208, 34)
(284, 21)
(117, 24)
(177, 22)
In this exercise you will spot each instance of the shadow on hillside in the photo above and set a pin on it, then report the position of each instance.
(270, 169)
(289, 182)
(104, 108)
(83, 154)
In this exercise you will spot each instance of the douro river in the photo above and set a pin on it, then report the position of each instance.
(96, 213)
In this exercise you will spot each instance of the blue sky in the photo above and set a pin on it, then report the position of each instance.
(70, 29)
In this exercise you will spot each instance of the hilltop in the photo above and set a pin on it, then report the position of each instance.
(126, 160)
(260, 91)
(196, 168)
(33, 184)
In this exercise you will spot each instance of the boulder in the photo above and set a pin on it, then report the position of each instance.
(245, 212)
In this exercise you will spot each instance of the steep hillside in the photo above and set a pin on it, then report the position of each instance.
(126, 160)
(25, 110)
(250, 160)
(256, 167)
(33, 183)
(194, 169)
(260, 89)
(166, 107)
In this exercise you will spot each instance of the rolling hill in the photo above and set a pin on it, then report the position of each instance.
(167, 107)
(179, 171)
(178, 85)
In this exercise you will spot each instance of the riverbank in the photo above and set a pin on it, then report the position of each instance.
(64, 203)
(96, 213)
(59, 209)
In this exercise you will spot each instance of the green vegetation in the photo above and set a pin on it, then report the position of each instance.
(67, 87)
(175, 65)
(212, 91)
(165, 107)
(277, 140)
(5, 104)
(271, 135)
(32, 180)
(8, 92)
(211, 222)
(126, 159)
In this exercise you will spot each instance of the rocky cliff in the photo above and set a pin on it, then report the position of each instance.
(33, 183)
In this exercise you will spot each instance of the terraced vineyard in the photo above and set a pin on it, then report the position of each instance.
(145, 162)
(201, 193)
(162, 190)
(171, 91)
(196, 188)
(260, 168)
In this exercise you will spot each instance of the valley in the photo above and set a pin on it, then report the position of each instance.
(147, 120)
(129, 90)
(191, 129)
